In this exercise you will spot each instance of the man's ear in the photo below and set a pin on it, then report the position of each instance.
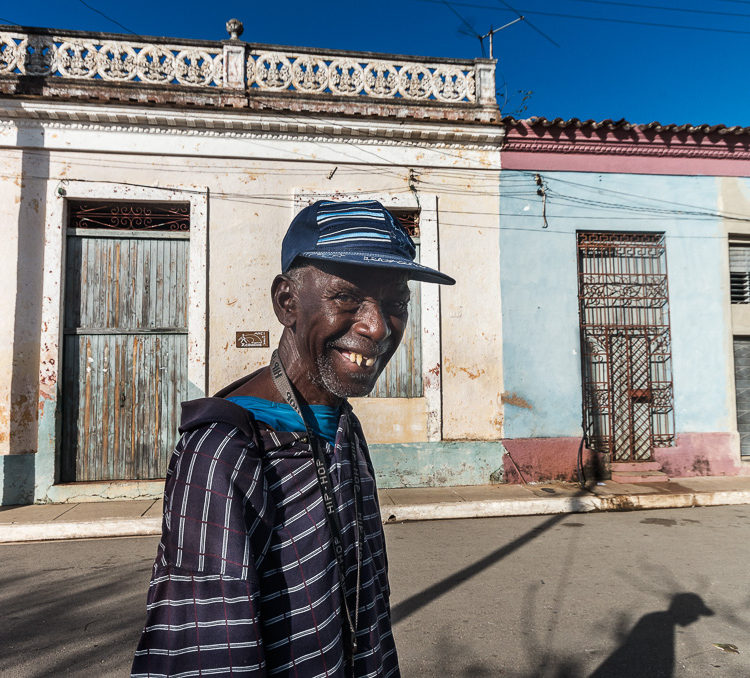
(284, 299)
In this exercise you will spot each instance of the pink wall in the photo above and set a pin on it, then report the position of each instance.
(694, 454)
(635, 151)
(546, 459)
(702, 454)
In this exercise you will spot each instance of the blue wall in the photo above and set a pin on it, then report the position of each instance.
(538, 270)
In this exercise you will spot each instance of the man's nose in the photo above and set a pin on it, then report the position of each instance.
(372, 322)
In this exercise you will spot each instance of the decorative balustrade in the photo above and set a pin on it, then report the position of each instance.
(237, 65)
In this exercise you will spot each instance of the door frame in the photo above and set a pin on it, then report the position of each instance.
(47, 485)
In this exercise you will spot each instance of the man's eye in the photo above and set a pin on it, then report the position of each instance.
(399, 307)
(346, 298)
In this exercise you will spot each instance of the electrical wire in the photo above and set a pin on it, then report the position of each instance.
(686, 10)
(523, 18)
(603, 19)
(265, 199)
(109, 18)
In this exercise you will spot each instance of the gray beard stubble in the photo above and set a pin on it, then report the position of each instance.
(328, 379)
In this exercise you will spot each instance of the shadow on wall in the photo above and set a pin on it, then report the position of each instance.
(18, 472)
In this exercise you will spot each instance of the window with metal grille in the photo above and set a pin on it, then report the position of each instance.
(739, 272)
(129, 216)
(402, 377)
(625, 343)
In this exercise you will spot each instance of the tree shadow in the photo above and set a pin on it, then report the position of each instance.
(72, 620)
(648, 651)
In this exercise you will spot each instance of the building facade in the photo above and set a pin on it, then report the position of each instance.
(599, 327)
(145, 189)
(625, 347)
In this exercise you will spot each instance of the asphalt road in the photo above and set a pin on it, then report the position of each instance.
(609, 595)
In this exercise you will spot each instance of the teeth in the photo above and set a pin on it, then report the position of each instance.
(359, 359)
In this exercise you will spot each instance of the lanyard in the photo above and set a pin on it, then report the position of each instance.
(282, 383)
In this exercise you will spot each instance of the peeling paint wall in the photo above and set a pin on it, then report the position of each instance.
(10, 198)
(251, 186)
(472, 369)
(22, 204)
(541, 363)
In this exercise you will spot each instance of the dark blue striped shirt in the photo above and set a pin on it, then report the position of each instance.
(245, 581)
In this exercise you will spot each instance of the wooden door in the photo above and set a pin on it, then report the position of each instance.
(124, 352)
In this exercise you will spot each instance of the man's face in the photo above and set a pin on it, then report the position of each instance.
(349, 321)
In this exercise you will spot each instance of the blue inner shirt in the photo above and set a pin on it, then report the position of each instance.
(323, 420)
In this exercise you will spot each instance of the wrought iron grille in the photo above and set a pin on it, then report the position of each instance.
(625, 343)
(410, 222)
(131, 216)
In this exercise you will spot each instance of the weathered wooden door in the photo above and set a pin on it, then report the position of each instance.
(125, 350)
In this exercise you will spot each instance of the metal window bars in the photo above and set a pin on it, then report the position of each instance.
(625, 343)
(131, 216)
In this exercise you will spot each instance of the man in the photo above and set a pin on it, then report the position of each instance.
(272, 558)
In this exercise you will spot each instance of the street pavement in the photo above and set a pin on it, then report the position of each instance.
(642, 594)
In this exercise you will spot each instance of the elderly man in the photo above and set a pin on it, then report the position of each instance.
(272, 558)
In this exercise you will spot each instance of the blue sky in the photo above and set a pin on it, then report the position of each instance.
(604, 68)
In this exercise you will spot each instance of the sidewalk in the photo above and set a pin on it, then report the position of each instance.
(137, 518)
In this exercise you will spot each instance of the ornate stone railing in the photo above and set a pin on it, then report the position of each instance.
(236, 65)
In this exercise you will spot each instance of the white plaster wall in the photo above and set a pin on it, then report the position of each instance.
(471, 312)
(251, 184)
(22, 201)
(10, 199)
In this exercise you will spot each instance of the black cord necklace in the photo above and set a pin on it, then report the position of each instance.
(282, 383)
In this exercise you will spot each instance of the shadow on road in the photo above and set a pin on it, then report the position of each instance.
(648, 650)
(62, 621)
(413, 603)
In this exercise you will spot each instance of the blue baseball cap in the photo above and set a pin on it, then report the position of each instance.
(363, 233)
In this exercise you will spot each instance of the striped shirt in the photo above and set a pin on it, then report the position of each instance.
(245, 581)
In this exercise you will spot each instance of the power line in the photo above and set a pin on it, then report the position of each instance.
(523, 18)
(662, 8)
(605, 20)
(109, 18)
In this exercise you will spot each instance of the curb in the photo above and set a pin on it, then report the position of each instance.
(108, 527)
(496, 508)
(582, 504)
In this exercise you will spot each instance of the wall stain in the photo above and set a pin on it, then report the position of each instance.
(4, 424)
(514, 399)
(701, 466)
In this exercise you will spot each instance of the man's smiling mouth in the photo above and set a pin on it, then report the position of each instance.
(358, 358)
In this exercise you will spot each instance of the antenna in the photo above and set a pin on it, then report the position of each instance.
(492, 32)
(470, 30)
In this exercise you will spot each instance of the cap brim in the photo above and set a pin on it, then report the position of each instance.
(413, 270)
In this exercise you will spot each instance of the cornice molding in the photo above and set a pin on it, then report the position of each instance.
(642, 148)
(229, 124)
